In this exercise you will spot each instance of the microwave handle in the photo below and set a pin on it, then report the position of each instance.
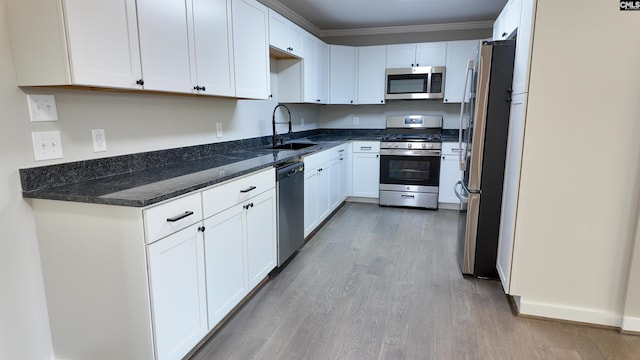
(462, 164)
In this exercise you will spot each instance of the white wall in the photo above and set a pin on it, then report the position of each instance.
(133, 123)
(580, 173)
(374, 116)
(631, 314)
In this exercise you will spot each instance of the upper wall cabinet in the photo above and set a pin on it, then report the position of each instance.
(251, 49)
(507, 21)
(285, 35)
(342, 74)
(422, 54)
(371, 74)
(458, 55)
(76, 42)
(167, 45)
(316, 64)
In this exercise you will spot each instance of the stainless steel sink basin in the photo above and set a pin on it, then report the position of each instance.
(292, 146)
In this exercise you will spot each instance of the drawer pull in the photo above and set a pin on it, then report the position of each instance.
(180, 217)
(408, 196)
(341, 150)
(365, 147)
(250, 188)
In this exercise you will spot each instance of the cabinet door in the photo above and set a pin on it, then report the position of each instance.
(310, 200)
(261, 236)
(431, 54)
(372, 62)
(224, 263)
(345, 178)
(178, 297)
(251, 49)
(323, 192)
(166, 45)
(295, 36)
(366, 174)
(278, 31)
(342, 74)
(103, 43)
(458, 55)
(524, 42)
(333, 169)
(511, 188)
(213, 43)
(449, 175)
(322, 72)
(401, 56)
(309, 65)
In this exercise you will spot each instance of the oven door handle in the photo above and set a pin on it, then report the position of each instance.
(461, 197)
(398, 152)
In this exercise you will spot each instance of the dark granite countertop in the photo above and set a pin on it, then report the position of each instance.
(147, 186)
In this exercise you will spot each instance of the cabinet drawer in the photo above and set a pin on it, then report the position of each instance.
(224, 196)
(314, 161)
(366, 146)
(451, 148)
(171, 216)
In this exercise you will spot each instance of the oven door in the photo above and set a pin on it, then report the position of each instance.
(410, 170)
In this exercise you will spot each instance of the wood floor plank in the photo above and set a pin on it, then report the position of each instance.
(383, 283)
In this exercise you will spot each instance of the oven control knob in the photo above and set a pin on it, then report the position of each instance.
(409, 146)
(395, 145)
(424, 146)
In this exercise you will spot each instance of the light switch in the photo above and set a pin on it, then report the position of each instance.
(42, 107)
(46, 145)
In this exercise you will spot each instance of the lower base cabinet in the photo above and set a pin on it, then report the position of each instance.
(366, 169)
(149, 284)
(177, 284)
(450, 173)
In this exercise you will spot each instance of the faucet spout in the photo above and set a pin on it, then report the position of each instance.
(274, 138)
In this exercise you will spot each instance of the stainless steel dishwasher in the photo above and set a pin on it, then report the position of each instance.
(290, 192)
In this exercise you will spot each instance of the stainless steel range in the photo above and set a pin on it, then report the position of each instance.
(410, 161)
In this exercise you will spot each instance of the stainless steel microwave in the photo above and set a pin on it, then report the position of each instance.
(423, 82)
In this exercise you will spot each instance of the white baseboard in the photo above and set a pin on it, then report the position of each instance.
(583, 315)
(631, 324)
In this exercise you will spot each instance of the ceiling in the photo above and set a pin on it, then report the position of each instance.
(328, 16)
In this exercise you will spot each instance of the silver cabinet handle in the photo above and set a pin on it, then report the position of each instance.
(365, 147)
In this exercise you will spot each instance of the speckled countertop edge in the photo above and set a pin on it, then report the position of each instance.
(150, 186)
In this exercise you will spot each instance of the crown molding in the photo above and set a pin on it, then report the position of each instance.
(293, 16)
(473, 25)
(304, 23)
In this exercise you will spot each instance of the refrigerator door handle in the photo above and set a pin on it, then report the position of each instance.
(461, 164)
(459, 195)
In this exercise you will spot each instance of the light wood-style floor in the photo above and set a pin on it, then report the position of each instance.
(383, 283)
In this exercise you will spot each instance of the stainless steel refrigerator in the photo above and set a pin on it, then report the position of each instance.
(486, 114)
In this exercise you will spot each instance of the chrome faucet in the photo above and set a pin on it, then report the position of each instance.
(274, 139)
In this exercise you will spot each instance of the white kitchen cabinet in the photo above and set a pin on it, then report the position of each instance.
(524, 42)
(251, 49)
(178, 295)
(214, 47)
(511, 188)
(261, 236)
(365, 169)
(344, 157)
(450, 173)
(372, 62)
(75, 42)
(507, 21)
(322, 186)
(284, 35)
(316, 66)
(167, 45)
(342, 74)
(225, 263)
(421, 54)
(458, 55)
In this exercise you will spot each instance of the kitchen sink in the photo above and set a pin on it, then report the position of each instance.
(292, 146)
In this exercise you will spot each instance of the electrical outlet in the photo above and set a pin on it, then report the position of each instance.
(42, 107)
(99, 140)
(301, 122)
(219, 130)
(356, 120)
(46, 145)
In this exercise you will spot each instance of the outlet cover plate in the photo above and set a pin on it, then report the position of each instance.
(99, 140)
(46, 145)
(42, 107)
